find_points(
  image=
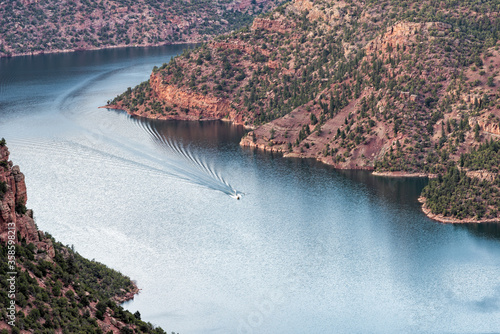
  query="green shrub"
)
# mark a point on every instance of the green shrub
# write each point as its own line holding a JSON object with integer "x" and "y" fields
{"x": 3, "y": 189}
{"x": 21, "y": 207}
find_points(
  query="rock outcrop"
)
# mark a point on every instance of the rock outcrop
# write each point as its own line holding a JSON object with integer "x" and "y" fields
{"x": 490, "y": 127}
{"x": 482, "y": 175}
{"x": 15, "y": 220}
{"x": 493, "y": 128}
{"x": 280, "y": 26}
{"x": 401, "y": 34}
{"x": 238, "y": 45}
{"x": 197, "y": 104}
{"x": 334, "y": 13}
{"x": 183, "y": 103}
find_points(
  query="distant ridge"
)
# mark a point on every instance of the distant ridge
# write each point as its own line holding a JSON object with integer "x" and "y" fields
{"x": 33, "y": 26}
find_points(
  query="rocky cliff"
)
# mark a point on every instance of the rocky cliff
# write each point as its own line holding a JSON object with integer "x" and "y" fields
{"x": 15, "y": 220}
{"x": 403, "y": 34}
{"x": 197, "y": 105}
{"x": 175, "y": 103}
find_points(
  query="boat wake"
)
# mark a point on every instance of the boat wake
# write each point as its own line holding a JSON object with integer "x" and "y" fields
{"x": 195, "y": 169}
{"x": 182, "y": 165}
{"x": 109, "y": 136}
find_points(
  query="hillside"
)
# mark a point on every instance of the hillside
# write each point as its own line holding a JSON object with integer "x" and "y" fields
{"x": 47, "y": 287}
{"x": 38, "y": 26}
{"x": 402, "y": 88}
{"x": 469, "y": 192}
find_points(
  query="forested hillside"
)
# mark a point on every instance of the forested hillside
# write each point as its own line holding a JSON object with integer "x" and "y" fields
{"x": 67, "y": 294}
{"x": 394, "y": 86}
{"x": 469, "y": 190}
{"x": 37, "y": 26}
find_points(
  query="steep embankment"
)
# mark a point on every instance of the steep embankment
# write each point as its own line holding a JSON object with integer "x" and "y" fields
{"x": 46, "y": 287}
{"x": 33, "y": 26}
{"x": 403, "y": 88}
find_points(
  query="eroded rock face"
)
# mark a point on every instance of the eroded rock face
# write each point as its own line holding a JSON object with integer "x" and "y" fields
{"x": 208, "y": 107}
{"x": 20, "y": 185}
{"x": 189, "y": 105}
{"x": 489, "y": 123}
{"x": 12, "y": 209}
{"x": 489, "y": 126}
{"x": 493, "y": 128}
{"x": 280, "y": 26}
{"x": 401, "y": 34}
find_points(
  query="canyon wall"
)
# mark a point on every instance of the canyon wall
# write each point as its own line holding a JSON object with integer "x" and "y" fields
{"x": 13, "y": 214}
{"x": 191, "y": 106}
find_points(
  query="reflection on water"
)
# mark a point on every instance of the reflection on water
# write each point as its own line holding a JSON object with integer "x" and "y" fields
{"x": 397, "y": 190}
{"x": 204, "y": 134}
{"x": 487, "y": 230}
{"x": 195, "y": 169}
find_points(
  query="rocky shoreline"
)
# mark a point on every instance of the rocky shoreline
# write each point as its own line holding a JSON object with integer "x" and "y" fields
{"x": 448, "y": 220}
{"x": 404, "y": 174}
{"x": 128, "y": 295}
{"x": 172, "y": 117}
{"x": 247, "y": 143}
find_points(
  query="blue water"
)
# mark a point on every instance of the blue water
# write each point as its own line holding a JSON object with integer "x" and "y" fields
{"x": 306, "y": 250}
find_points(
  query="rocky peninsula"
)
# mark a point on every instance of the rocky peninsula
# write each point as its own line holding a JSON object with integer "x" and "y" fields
{"x": 403, "y": 94}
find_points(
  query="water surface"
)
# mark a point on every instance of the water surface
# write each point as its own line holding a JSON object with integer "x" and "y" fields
{"x": 307, "y": 250}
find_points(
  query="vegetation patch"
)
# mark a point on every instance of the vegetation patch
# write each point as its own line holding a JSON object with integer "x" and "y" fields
{"x": 67, "y": 294}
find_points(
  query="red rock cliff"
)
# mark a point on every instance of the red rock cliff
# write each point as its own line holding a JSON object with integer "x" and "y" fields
{"x": 199, "y": 106}
{"x": 13, "y": 198}
{"x": 280, "y": 26}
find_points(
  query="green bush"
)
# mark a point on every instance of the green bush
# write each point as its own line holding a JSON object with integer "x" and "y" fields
{"x": 20, "y": 206}
{"x": 3, "y": 189}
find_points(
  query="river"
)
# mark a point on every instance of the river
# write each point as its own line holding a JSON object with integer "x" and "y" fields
{"x": 307, "y": 249}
